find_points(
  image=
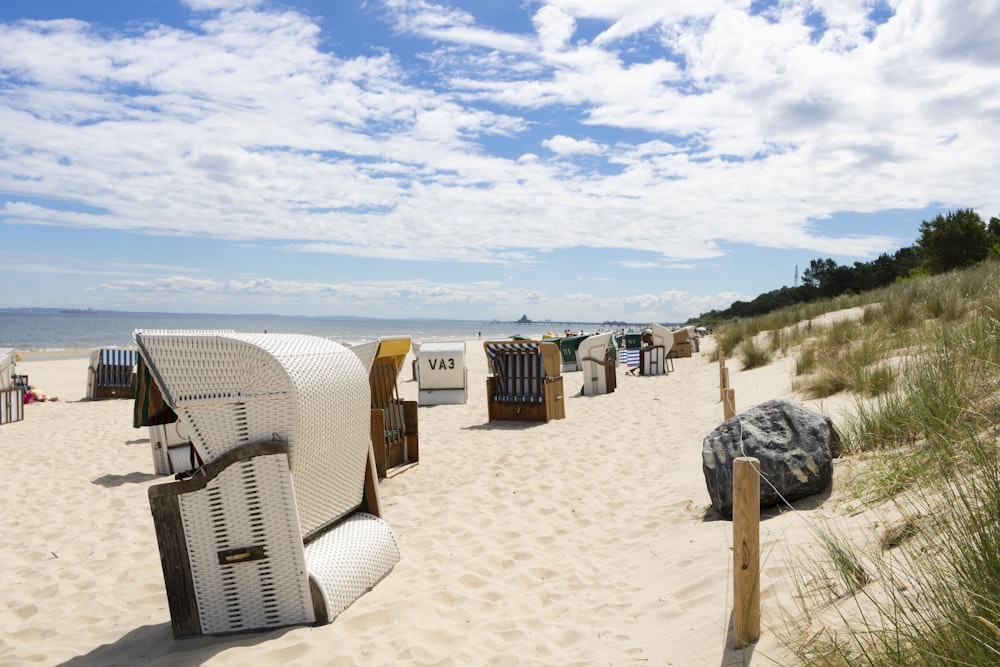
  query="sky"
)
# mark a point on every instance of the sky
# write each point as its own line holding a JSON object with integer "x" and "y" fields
{"x": 577, "y": 160}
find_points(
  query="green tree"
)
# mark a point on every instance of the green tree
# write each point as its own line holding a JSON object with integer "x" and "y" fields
{"x": 818, "y": 273}
{"x": 954, "y": 241}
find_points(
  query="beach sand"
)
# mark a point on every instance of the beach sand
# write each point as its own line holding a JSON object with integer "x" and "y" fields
{"x": 583, "y": 541}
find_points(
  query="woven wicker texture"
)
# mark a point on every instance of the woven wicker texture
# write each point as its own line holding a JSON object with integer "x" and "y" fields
{"x": 249, "y": 504}
{"x": 230, "y": 389}
{"x": 158, "y": 444}
{"x": 349, "y": 561}
{"x": 366, "y": 352}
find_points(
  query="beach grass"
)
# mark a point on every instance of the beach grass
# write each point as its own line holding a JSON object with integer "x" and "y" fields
{"x": 921, "y": 363}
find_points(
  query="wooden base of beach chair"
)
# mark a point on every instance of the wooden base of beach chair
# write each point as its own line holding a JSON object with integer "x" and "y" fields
{"x": 598, "y": 370}
{"x": 11, "y": 405}
{"x": 233, "y": 562}
{"x": 123, "y": 389}
{"x": 553, "y": 405}
{"x": 652, "y": 360}
{"x": 394, "y": 448}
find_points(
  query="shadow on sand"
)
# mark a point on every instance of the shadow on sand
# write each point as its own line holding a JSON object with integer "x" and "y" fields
{"x": 110, "y": 481}
{"x": 155, "y": 645}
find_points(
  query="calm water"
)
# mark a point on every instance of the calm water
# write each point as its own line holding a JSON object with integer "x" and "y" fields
{"x": 56, "y": 331}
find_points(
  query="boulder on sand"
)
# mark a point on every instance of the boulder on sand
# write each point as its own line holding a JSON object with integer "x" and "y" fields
{"x": 794, "y": 444}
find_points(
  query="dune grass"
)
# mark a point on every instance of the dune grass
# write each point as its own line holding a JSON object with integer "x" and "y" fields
{"x": 923, "y": 363}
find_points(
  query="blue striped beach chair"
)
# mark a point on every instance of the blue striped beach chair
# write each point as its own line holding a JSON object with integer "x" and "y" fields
{"x": 525, "y": 381}
{"x": 111, "y": 373}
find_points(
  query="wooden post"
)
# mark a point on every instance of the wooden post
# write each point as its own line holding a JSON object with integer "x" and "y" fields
{"x": 723, "y": 382}
{"x": 746, "y": 551}
{"x": 729, "y": 404}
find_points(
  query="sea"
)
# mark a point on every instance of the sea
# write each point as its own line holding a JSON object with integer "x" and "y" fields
{"x": 53, "y": 330}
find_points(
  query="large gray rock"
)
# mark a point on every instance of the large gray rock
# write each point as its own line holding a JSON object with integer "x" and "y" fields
{"x": 795, "y": 446}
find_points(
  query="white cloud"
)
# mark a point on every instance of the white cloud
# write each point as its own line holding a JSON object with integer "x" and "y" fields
{"x": 555, "y": 27}
{"x": 682, "y": 126}
{"x": 564, "y": 145}
{"x": 210, "y": 5}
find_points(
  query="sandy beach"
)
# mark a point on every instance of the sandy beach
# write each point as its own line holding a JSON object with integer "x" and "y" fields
{"x": 583, "y": 541}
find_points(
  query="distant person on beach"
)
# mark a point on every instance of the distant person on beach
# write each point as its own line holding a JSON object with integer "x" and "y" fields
{"x": 35, "y": 396}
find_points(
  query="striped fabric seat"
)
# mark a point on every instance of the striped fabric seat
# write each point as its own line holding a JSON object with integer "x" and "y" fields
{"x": 518, "y": 370}
{"x": 628, "y": 356}
{"x": 115, "y": 368}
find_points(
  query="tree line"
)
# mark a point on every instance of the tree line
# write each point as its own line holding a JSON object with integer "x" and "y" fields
{"x": 953, "y": 241}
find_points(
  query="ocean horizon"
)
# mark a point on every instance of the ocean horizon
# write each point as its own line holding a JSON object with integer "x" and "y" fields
{"x": 52, "y": 329}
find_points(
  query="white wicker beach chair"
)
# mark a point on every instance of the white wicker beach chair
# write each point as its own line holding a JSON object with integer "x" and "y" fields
{"x": 599, "y": 371}
{"x": 281, "y": 524}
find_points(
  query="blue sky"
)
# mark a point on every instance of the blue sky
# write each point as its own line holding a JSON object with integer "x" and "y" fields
{"x": 565, "y": 159}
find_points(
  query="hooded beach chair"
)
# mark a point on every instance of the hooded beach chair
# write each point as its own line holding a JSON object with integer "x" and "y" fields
{"x": 6, "y": 367}
{"x": 655, "y": 358}
{"x": 111, "y": 373}
{"x": 685, "y": 341}
{"x": 442, "y": 374}
{"x": 525, "y": 381}
{"x": 599, "y": 369}
{"x": 394, "y": 432}
{"x": 171, "y": 445}
{"x": 11, "y": 396}
{"x": 281, "y": 525}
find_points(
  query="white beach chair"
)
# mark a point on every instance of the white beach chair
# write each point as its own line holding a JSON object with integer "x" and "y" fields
{"x": 442, "y": 374}
{"x": 168, "y": 439}
{"x": 172, "y": 449}
{"x": 656, "y": 359}
{"x": 11, "y": 397}
{"x": 599, "y": 372}
{"x": 281, "y": 524}
{"x": 6, "y": 367}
